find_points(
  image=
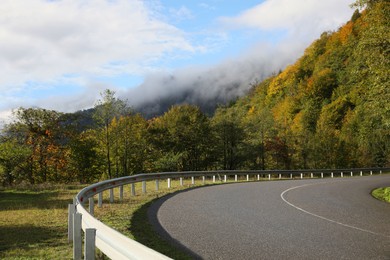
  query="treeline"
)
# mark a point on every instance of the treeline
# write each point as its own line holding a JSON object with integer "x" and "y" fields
{"x": 330, "y": 109}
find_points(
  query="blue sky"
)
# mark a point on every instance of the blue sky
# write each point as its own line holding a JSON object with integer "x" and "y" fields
{"x": 61, "y": 54}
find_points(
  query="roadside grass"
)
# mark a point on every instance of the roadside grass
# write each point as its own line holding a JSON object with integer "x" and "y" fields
{"x": 33, "y": 221}
{"x": 382, "y": 194}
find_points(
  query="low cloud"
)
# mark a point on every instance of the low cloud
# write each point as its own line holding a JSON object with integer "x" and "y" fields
{"x": 300, "y": 22}
{"x": 208, "y": 86}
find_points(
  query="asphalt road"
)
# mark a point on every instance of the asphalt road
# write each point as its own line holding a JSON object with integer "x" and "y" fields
{"x": 299, "y": 219}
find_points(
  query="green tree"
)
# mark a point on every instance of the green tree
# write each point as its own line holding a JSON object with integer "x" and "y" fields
{"x": 13, "y": 155}
{"x": 107, "y": 108}
{"x": 131, "y": 149}
{"x": 184, "y": 130}
{"x": 86, "y": 160}
{"x": 230, "y": 137}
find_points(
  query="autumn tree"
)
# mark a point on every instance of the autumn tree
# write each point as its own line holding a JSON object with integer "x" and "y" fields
{"x": 41, "y": 131}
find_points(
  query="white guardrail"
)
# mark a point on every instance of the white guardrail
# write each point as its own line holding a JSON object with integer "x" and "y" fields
{"x": 117, "y": 246}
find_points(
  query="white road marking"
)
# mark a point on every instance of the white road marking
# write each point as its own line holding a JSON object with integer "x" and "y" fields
{"x": 321, "y": 217}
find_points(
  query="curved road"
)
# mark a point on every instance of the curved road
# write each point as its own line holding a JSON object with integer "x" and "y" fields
{"x": 300, "y": 219}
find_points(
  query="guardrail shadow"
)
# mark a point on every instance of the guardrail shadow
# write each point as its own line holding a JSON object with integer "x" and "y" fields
{"x": 146, "y": 215}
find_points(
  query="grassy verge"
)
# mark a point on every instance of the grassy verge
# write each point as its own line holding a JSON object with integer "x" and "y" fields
{"x": 382, "y": 194}
{"x": 33, "y": 222}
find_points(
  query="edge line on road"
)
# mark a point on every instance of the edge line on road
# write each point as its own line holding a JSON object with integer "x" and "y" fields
{"x": 322, "y": 217}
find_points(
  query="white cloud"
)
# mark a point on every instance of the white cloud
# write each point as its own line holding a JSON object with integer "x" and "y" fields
{"x": 43, "y": 40}
{"x": 301, "y": 18}
{"x": 206, "y": 6}
{"x": 183, "y": 13}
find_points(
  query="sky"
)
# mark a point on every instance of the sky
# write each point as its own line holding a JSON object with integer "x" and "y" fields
{"x": 61, "y": 54}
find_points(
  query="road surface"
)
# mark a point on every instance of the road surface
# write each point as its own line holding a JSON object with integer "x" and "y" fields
{"x": 295, "y": 219}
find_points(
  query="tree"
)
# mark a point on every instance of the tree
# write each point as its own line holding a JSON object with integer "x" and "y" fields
{"x": 365, "y": 3}
{"x": 106, "y": 109}
{"x": 184, "y": 130}
{"x": 131, "y": 150}
{"x": 41, "y": 131}
{"x": 258, "y": 124}
{"x": 13, "y": 156}
{"x": 86, "y": 160}
{"x": 229, "y": 137}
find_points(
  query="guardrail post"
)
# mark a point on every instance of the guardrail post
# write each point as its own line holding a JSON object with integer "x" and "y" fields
{"x": 143, "y": 186}
{"x": 89, "y": 245}
{"x": 121, "y": 192}
{"x": 192, "y": 180}
{"x": 157, "y": 184}
{"x": 100, "y": 199}
{"x": 181, "y": 181}
{"x": 71, "y": 210}
{"x": 235, "y": 178}
{"x": 112, "y": 195}
{"x": 132, "y": 189}
{"x": 91, "y": 205}
{"x": 331, "y": 175}
{"x": 169, "y": 183}
{"x": 77, "y": 242}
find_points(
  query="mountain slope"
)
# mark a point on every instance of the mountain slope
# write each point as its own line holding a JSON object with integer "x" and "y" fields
{"x": 331, "y": 108}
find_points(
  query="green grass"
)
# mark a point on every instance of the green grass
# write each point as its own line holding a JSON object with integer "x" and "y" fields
{"x": 33, "y": 222}
{"x": 382, "y": 194}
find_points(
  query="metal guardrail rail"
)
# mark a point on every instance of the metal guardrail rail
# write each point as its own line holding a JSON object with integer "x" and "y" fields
{"x": 117, "y": 246}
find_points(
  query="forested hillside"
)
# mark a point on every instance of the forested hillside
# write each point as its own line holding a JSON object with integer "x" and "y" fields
{"x": 330, "y": 109}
